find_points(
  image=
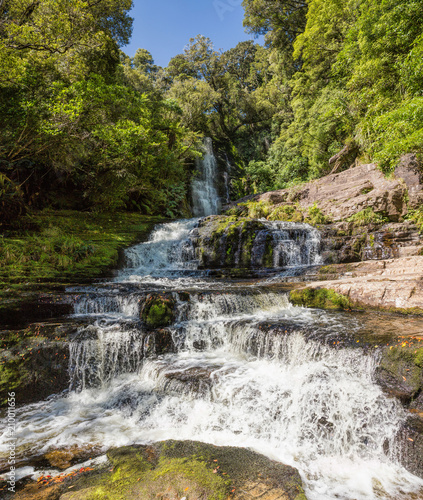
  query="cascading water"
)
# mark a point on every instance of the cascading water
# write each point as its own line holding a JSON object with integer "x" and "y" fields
{"x": 230, "y": 382}
{"x": 245, "y": 369}
{"x": 205, "y": 197}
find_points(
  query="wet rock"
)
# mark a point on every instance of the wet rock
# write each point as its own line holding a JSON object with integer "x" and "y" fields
{"x": 177, "y": 469}
{"x": 243, "y": 243}
{"x": 194, "y": 380}
{"x": 410, "y": 445}
{"x": 64, "y": 458}
{"x": 158, "y": 342}
{"x": 227, "y": 242}
{"x": 34, "y": 361}
{"x": 158, "y": 310}
{"x": 410, "y": 170}
{"x": 399, "y": 373}
{"x": 31, "y": 307}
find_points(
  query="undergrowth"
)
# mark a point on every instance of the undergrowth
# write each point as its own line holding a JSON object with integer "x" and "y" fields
{"x": 416, "y": 216}
{"x": 286, "y": 213}
{"x": 367, "y": 216}
{"x": 62, "y": 245}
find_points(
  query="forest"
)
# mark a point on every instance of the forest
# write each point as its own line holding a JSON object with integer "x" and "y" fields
{"x": 86, "y": 127}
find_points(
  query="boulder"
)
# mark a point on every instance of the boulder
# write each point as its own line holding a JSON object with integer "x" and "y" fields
{"x": 172, "y": 470}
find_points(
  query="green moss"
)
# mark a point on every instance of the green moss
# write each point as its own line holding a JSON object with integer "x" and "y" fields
{"x": 136, "y": 477}
{"x": 259, "y": 210}
{"x": 286, "y": 213}
{"x": 319, "y": 297}
{"x": 60, "y": 246}
{"x": 405, "y": 364}
{"x": 328, "y": 270}
{"x": 158, "y": 311}
{"x": 418, "y": 357}
{"x": 407, "y": 312}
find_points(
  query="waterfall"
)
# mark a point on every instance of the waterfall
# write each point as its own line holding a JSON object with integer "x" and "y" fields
{"x": 245, "y": 368}
{"x": 205, "y": 197}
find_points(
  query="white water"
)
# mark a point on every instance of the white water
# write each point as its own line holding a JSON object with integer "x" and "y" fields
{"x": 168, "y": 254}
{"x": 231, "y": 381}
{"x": 205, "y": 198}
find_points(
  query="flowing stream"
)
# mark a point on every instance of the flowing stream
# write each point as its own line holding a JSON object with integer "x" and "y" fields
{"x": 246, "y": 368}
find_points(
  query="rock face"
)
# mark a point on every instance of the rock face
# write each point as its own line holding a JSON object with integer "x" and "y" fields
{"x": 34, "y": 361}
{"x": 223, "y": 242}
{"x": 341, "y": 195}
{"x": 393, "y": 284}
{"x": 410, "y": 171}
{"x": 345, "y": 242}
{"x": 227, "y": 242}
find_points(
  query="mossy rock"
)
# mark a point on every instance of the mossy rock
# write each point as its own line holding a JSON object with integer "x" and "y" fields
{"x": 177, "y": 469}
{"x": 321, "y": 298}
{"x": 34, "y": 362}
{"x": 400, "y": 372}
{"x": 159, "y": 310}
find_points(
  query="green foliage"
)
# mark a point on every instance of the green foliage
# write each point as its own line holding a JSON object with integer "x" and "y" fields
{"x": 396, "y": 132}
{"x": 321, "y": 298}
{"x": 416, "y": 216}
{"x": 261, "y": 177}
{"x": 354, "y": 75}
{"x": 315, "y": 216}
{"x": 84, "y": 125}
{"x": 66, "y": 245}
{"x": 367, "y": 216}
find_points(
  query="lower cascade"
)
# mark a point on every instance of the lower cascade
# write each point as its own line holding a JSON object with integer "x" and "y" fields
{"x": 230, "y": 364}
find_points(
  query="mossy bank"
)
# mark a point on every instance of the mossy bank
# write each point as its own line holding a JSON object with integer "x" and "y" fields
{"x": 63, "y": 246}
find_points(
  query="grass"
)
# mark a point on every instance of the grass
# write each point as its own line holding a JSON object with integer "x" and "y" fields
{"x": 61, "y": 246}
{"x": 287, "y": 213}
{"x": 416, "y": 216}
{"x": 367, "y": 216}
{"x": 321, "y": 298}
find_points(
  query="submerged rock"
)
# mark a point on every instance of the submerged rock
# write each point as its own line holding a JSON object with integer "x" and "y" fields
{"x": 64, "y": 458}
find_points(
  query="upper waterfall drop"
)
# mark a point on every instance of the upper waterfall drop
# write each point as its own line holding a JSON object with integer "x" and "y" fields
{"x": 205, "y": 197}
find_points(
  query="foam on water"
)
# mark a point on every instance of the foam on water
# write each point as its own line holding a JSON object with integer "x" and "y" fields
{"x": 312, "y": 407}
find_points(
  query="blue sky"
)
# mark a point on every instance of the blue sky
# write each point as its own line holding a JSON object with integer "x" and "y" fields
{"x": 164, "y": 27}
